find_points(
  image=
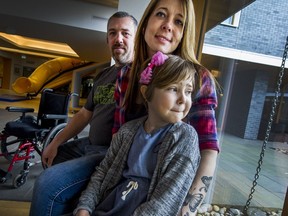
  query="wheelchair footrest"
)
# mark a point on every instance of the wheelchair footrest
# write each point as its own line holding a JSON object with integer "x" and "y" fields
{"x": 4, "y": 176}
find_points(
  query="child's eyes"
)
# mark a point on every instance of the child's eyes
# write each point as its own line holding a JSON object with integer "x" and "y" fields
{"x": 188, "y": 90}
{"x": 172, "y": 89}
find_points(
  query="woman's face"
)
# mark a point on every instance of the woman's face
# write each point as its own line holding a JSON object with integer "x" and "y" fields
{"x": 164, "y": 30}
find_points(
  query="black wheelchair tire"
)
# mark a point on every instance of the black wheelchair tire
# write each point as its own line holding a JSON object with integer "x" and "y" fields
{"x": 3, "y": 143}
{"x": 7, "y": 155}
{"x": 19, "y": 180}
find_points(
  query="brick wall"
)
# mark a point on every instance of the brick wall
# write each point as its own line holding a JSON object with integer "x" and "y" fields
{"x": 256, "y": 106}
{"x": 239, "y": 103}
{"x": 263, "y": 29}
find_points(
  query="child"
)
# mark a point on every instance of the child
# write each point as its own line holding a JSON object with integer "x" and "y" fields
{"x": 152, "y": 161}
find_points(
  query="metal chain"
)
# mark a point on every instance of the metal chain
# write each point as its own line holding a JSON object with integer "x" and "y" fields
{"x": 267, "y": 134}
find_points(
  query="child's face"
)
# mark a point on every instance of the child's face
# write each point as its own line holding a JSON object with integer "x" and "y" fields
{"x": 171, "y": 104}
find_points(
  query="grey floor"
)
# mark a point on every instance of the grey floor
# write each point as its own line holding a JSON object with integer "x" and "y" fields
{"x": 236, "y": 171}
{"x": 234, "y": 176}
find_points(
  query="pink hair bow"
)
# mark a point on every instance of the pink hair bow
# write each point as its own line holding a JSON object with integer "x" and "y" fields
{"x": 157, "y": 59}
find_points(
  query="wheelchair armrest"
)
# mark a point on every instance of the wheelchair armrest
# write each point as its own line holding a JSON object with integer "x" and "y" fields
{"x": 54, "y": 116}
{"x": 19, "y": 109}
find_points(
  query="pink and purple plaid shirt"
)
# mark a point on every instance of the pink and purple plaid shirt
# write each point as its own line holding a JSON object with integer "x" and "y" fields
{"x": 201, "y": 115}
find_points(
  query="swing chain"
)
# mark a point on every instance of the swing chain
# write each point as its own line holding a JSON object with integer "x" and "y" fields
{"x": 267, "y": 134}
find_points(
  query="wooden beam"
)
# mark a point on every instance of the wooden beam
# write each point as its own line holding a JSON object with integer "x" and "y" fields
{"x": 201, "y": 14}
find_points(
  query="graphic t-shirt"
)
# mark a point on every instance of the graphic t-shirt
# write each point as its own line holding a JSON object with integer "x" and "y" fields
{"x": 101, "y": 102}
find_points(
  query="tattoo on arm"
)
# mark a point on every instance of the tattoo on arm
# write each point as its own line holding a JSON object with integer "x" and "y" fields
{"x": 194, "y": 200}
{"x": 206, "y": 181}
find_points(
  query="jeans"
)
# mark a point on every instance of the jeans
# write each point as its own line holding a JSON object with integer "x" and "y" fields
{"x": 57, "y": 189}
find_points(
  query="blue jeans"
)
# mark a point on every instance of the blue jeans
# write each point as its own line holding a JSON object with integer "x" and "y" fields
{"x": 57, "y": 189}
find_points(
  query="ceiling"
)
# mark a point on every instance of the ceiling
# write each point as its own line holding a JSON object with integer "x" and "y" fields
{"x": 110, "y": 3}
{"x": 83, "y": 29}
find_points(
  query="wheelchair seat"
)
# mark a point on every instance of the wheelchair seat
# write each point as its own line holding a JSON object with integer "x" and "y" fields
{"x": 23, "y": 130}
{"x": 53, "y": 110}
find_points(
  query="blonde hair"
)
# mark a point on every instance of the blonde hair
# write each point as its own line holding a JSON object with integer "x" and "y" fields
{"x": 172, "y": 71}
{"x": 185, "y": 48}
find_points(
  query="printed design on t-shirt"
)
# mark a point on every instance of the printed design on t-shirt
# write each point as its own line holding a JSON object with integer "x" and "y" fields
{"x": 104, "y": 94}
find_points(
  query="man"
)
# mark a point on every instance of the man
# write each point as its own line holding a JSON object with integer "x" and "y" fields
{"x": 100, "y": 106}
{"x": 60, "y": 184}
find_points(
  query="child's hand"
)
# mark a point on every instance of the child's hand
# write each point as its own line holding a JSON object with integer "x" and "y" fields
{"x": 82, "y": 212}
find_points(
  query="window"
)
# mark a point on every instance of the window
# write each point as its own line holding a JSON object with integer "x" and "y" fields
{"x": 233, "y": 20}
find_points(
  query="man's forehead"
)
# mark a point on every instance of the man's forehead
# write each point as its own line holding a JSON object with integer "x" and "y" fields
{"x": 124, "y": 23}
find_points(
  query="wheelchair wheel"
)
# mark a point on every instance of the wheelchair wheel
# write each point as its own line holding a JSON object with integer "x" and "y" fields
{"x": 19, "y": 180}
{"x": 9, "y": 144}
{"x": 53, "y": 133}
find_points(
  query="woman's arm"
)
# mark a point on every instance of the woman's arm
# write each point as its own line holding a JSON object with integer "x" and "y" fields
{"x": 202, "y": 117}
{"x": 201, "y": 183}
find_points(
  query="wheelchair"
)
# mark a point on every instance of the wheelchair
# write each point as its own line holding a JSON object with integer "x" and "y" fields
{"x": 21, "y": 138}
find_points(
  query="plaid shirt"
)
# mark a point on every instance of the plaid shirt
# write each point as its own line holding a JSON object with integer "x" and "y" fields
{"x": 201, "y": 115}
{"x": 119, "y": 94}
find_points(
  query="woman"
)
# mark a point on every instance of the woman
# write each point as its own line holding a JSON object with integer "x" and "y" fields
{"x": 169, "y": 26}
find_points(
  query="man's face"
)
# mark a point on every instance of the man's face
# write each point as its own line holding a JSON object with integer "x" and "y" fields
{"x": 120, "y": 38}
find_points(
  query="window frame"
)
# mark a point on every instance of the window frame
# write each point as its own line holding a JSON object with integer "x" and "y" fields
{"x": 233, "y": 20}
